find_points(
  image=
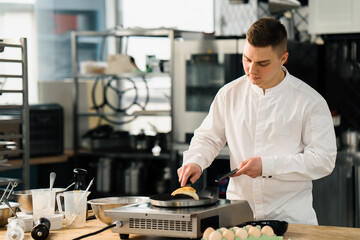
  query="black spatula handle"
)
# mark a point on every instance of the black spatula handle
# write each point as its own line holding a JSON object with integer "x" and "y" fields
{"x": 227, "y": 174}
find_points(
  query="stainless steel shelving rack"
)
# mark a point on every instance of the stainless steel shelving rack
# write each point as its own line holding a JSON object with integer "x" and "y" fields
{"x": 120, "y": 35}
{"x": 23, "y": 109}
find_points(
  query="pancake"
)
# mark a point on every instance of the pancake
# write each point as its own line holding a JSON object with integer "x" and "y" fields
{"x": 189, "y": 191}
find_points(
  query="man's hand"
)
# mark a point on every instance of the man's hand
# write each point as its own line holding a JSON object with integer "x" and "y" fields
{"x": 251, "y": 167}
{"x": 190, "y": 170}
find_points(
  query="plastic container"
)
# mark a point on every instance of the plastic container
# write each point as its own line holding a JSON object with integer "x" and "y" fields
{"x": 56, "y": 221}
{"x": 27, "y": 219}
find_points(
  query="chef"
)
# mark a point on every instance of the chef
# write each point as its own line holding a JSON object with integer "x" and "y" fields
{"x": 278, "y": 129}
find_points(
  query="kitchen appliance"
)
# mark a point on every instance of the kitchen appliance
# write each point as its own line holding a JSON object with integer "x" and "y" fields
{"x": 46, "y": 129}
{"x": 190, "y": 222}
{"x": 202, "y": 67}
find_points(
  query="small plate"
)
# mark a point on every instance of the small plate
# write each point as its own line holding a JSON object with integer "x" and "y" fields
{"x": 279, "y": 227}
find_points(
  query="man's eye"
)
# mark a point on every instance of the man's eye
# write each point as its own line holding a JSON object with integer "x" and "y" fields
{"x": 263, "y": 64}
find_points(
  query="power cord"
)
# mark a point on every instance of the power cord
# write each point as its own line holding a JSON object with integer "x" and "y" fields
{"x": 115, "y": 224}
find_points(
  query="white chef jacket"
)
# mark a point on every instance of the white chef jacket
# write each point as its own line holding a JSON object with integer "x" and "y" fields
{"x": 290, "y": 127}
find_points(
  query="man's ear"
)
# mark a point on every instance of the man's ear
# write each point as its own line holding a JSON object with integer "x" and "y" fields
{"x": 284, "y": 58}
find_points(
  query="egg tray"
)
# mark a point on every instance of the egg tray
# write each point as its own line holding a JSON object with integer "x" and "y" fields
{"x": 262, "y": 237}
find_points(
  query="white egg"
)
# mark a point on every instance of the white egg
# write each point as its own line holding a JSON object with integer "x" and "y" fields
{"x": 222, "y": 229}
{"x": 241, "y": 233}
{"x": 228, "y": 234}
{"x": 234, "y": 229}
{"x": 207, "y": 232}
{"x": 268, "y": 231}
{"x": 255, "y": 232}
{"x": 215, "y": 235}
{"x": 248, "y": 227}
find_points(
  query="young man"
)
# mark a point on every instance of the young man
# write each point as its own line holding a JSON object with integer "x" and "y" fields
{"x": 278, "y": 129}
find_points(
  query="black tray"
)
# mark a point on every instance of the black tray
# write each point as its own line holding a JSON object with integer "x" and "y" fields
{"x": 279, "y": 227}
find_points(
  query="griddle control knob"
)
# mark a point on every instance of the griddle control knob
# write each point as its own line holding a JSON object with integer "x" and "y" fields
{"x": 118, "y": 224}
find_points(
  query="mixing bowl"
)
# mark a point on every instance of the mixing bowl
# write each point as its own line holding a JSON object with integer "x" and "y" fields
{"x": 5, "y": 212}
{"x": 99, "y": 205}
{"x": 25, "y": 199}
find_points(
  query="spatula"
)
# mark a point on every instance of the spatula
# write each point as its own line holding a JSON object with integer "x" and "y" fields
{"x": 227, "y": 175}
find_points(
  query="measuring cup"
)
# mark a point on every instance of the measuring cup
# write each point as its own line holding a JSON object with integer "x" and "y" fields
{"x": 43, "y": 201}
{"x": 75, "y": 207}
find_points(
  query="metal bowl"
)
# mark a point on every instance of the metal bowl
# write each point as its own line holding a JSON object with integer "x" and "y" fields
{"x": 99, "y": 205}
{"x": 5, "y": 212}
{"x": 25, "y": 199}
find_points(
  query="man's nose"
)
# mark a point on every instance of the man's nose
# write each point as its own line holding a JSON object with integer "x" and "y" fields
{"x": 252, "y": 68}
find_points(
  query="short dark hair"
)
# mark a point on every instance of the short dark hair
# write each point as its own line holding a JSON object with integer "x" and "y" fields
{"x": 268, "y": 31}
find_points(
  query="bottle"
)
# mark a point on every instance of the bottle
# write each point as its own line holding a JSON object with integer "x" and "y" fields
{"x": 80, "y": 178}
{"x": 15, "y": 230}
{"x": 41, "y": 229}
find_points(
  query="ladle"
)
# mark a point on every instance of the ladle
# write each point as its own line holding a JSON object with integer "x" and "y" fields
{"x": 52, "y": 179}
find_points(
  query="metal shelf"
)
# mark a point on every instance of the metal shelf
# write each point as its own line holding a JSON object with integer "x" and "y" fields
{"x": 23, "y": 118}
{"x": 10, "y": 76}
{"x": 135, "y": 113}
{"x": 125, "y": 75}
{"x": 6, "y": 152}
{"x": 12, "y": 136}
{"x": 11, "y": 91}
{"x": 11, "y": 106}
{"x": 140, "y": 32}
{"x": 125, "y": 155}
{"x": 11, "y": 60}
{"x": 9, "y": 119}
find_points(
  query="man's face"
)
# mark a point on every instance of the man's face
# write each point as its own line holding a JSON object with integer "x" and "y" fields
{"x": 262, "y": 65}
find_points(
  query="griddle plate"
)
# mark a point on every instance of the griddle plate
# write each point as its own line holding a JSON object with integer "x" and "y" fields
{"x": 166, "y": 200}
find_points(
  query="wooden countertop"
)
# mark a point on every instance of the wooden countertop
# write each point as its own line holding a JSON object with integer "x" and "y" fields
{"x": 294, "y": 232}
